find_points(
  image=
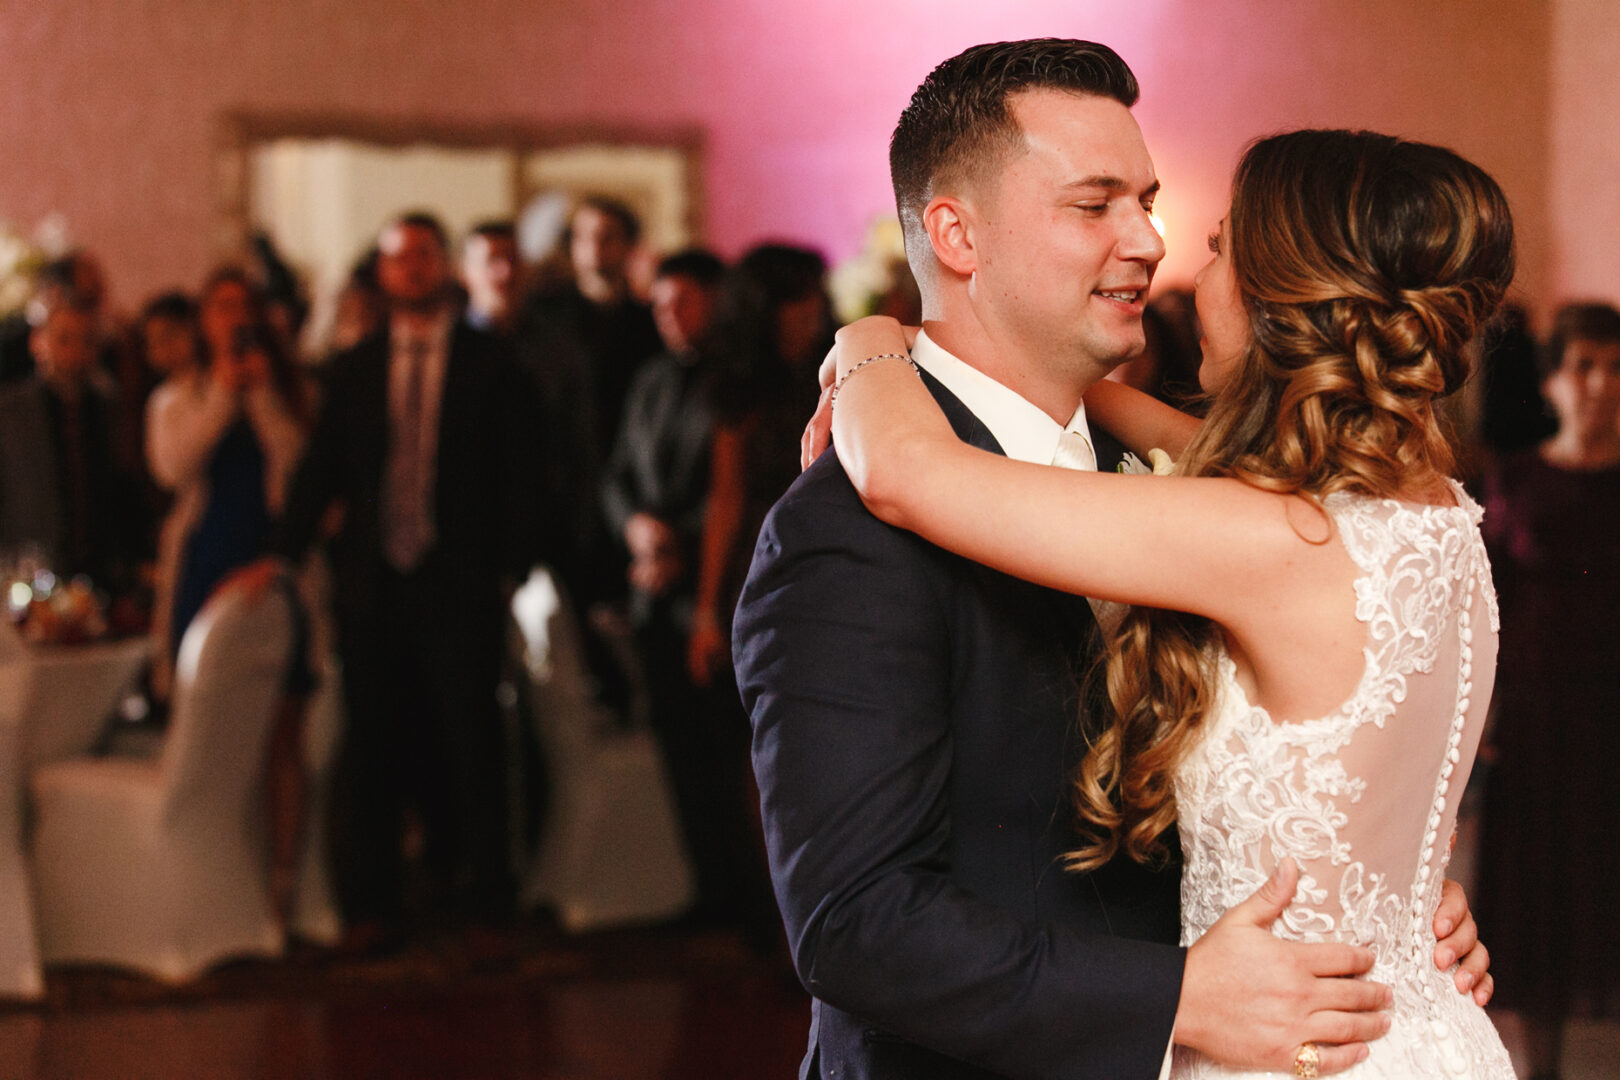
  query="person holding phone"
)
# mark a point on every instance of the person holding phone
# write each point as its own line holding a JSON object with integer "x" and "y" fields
{"x": 224, "y": 436}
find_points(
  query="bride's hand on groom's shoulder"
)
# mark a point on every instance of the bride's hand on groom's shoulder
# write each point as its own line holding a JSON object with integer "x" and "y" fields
{"x": 1250, "y": 999}
{"x": 818, "y": 432}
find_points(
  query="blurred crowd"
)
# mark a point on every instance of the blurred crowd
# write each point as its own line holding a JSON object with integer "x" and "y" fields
{"x": 471, "y": 417}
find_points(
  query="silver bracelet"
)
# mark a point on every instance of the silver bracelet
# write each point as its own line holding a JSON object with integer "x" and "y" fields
{"x": 832, "y": 399}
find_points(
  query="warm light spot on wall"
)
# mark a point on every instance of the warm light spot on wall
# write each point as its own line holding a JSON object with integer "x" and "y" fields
{"x": 1158, "y": 223}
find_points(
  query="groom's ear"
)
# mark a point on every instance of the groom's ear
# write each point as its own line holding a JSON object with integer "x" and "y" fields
{"x": 949, "y": 222}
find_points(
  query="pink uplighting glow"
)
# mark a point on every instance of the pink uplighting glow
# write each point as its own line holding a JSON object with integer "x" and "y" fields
{"x": 110, "y": 113}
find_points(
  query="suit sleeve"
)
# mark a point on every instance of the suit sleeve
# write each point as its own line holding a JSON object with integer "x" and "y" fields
{"x": 844, "y": 658}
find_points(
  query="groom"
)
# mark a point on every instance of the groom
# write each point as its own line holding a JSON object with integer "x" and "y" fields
{"x": 915, "y": 714}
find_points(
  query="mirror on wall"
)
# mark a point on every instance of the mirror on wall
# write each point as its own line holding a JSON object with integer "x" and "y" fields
{"x": 320, "y": 188}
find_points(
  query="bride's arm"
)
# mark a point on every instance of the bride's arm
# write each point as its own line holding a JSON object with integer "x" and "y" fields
{"x": 1210, "y": 546}
{"x": 1138, "y": 420}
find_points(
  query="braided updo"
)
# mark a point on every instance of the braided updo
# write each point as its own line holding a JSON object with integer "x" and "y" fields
{"x": 1366, "y": 263}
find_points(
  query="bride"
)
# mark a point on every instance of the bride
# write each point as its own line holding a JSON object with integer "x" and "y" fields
{"x": 1306, "y": 670}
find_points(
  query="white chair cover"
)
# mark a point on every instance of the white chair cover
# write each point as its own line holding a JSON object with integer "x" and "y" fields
{"x": 612, "y": 851}
{"x": 162, "y": 865}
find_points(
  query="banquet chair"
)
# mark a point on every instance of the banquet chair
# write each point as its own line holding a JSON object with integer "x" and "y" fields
{"x": 612, "y": 852}
{"x": 161, "y": 865}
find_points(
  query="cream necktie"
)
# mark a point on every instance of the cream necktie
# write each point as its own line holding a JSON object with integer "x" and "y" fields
{"x": 1074, "y": 452}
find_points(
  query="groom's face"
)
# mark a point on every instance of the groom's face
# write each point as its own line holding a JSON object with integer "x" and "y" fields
{"x": 1070, "y": 244}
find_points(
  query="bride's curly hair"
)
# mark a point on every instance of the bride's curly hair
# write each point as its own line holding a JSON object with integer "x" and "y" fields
{"x": 1366, "y": 264}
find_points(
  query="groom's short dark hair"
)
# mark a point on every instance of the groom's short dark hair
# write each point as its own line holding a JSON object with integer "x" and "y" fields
{"x": 958, "y": 119}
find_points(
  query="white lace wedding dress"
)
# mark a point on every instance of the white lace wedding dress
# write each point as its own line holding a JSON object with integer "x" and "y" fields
{"x": 1363, "y": 799}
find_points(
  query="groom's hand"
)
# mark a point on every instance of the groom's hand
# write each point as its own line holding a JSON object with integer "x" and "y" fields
{"x": 1250, "y": 999}
{"x": 1458, "y": 936}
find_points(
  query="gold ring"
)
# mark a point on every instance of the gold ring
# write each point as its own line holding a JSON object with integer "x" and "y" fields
{"x": 1308, "y": 1062}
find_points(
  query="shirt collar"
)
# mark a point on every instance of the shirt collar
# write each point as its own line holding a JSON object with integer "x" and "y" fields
{"x": 1023, "y": 430}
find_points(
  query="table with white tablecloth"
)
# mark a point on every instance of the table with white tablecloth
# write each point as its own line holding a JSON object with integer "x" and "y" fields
{"x": 54, "y": 704}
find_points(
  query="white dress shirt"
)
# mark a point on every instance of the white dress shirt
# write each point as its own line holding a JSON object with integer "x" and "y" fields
{"x": 1024, "y": 431}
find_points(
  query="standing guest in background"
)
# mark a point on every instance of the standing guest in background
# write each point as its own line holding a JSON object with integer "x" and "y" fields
{"x": 1515, "y": 416}
{"x": 75, "y": 278}
{"x": 1549, "y": 860}
{"x": 282, "y": 299}
{"x": 167, "y": 341}
{"x": 223, "y": 435}
{"x": 653, "y": 494}
{"x": 427, "y": 440}
{"x": 169, "y": 335}
{"x": 62, "y": 485}
{"x": 775, "y": 326}
{"x": 598, "y": 311}
{"x": 493, "y": 275}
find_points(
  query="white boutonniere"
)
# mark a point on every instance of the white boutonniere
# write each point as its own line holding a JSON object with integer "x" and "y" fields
{"x": 1160, "y": 464}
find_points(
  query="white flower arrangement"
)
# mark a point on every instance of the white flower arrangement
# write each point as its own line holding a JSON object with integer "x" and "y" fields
{"x": 1159, "y": 464}
{"x": 857, "y": 283}
{"x": 20, "y": 260}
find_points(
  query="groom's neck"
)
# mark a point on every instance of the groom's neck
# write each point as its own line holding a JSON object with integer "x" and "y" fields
{"x": 1043, "y": 381}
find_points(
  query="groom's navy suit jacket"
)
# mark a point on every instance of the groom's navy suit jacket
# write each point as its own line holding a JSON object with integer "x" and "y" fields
{"x": 915, "y": 731}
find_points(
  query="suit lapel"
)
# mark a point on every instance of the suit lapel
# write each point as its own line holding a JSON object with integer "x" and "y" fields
{"x": 969, "y": 428}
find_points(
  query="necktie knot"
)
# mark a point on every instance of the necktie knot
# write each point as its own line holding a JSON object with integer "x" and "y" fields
{"x": 1074, "y": 452}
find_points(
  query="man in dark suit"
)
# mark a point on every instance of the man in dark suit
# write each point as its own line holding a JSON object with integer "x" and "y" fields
{"x": 915, "y": 714}
{"x": 654, "y": 493}
{"x": 427, "y": 441}
{"x": 62, "y": 487}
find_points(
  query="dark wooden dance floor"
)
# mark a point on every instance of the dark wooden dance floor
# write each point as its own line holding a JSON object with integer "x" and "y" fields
{"x": 633, "y": 1005}
{"x": 662, "y": 1004}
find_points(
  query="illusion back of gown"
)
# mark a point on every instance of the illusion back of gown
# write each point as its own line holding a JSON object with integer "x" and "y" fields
{"x": 1364, "y": 799}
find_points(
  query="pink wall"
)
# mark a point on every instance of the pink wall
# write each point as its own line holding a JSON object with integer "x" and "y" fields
{"x": 1584, "y": 190}
{"x": 108, "y": 110}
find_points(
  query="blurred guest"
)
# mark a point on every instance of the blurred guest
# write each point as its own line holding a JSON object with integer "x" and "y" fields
{"x": 1550, "y": 863}
{"x": 167, "y": 341}
{"x": 599, "y": 309}
{"x": 361, "y": 307}
{"x": 587, "y": 337}
{"x": 1515, "y": 416}
{"x": 286, "y": 309}
{"x": 223, "y": 433}
{"x": 169, "y": 335}
{"x": 656, "y": 477}
{"x": 653, "y": 494}
{"x": 62, "y": 486}
{"x": 75, "y": 278}
{"x": 774, "y": 328}
{"x": 427, "y": 439}
{"x": 493, "y": 275}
